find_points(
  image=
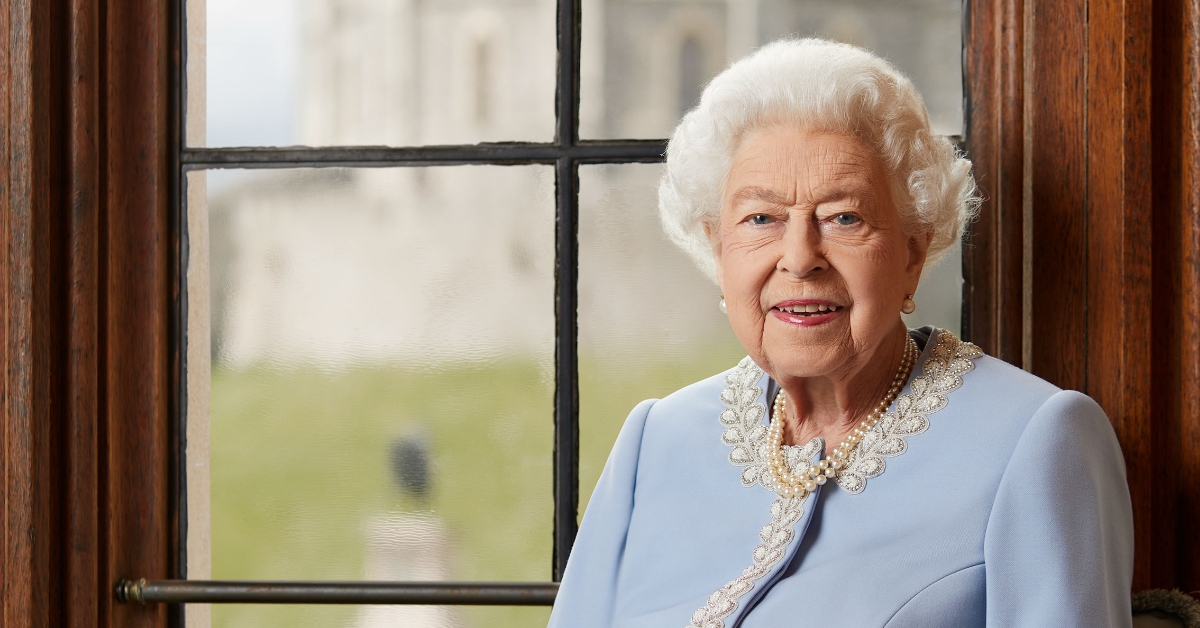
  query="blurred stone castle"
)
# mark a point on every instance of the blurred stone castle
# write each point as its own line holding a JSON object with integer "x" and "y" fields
{"x": 421, "y": 265}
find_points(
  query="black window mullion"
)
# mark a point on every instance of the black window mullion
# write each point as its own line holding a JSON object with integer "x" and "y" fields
{"x": 566, "y": 392}
{"x": 566, "y": 288}
{"x": 499, "y": 153}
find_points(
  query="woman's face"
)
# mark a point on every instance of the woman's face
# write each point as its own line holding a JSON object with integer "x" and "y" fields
{"x": 811, "y": 254}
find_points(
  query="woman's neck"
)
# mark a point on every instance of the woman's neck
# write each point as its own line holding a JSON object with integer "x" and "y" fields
{"x": 832, "y": 406}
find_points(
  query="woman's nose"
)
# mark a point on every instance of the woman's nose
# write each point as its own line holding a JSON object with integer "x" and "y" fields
{"x": 802, "y": 254}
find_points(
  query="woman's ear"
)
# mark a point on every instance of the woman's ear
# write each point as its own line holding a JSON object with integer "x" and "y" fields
{"x": 918, "y": 251}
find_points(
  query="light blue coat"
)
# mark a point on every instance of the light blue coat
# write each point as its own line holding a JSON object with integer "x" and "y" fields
{"x": 987, "y": 497}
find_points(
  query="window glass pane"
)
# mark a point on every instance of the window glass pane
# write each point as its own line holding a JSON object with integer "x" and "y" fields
{"x": 939, "y": 295}
{"x": 376, "y": 72}
{"x": 644, "y": 62}
{"x": 648, "y": 319}
{"x": 381, "y": 406}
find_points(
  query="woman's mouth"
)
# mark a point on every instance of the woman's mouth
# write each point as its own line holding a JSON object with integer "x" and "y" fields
{"x": 807, "y": 313}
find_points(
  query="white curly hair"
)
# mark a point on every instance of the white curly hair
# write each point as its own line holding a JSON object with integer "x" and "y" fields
{"x": 823, "y": 85}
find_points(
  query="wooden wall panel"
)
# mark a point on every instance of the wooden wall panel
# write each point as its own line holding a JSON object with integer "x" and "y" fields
{"x": 1188, "y": 158}
{"x": 1056, "y": 188}
{"x": 85, "y": 308}
{"x": 10, "y": 552}
{"x": 139, "y": 298}
{"x": 1111, "y": 255}
{"x": 84, "y": 426}
{"x": 34, "y": 282}
{"x": 1118, "y": 232}
{"x": 1175, "y": 284}
{"x": 994, "y": 101}
{"x": 21, "y": 604}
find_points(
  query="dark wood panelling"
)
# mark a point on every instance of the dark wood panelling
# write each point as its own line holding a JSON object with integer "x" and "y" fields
{"x": 1056, "y": 181}
{"x": 992, "y": 256}
{"x": 1118, "y": 232}
{"x": 10, "y": 552}
{"x": 35, "y": 374}
{"x": 84, "y": 425}
{"x": 1111, "y": 131}
{"x": 138, "y": 297}
{"x": 86, "y": 246}
{"x": 1188, "y": 158}
{"x": 22, "y": 606}
{"x": 1175, "y": 283}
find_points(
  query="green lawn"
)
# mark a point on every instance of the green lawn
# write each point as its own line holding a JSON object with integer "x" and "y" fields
{"x": 299, "y": 464}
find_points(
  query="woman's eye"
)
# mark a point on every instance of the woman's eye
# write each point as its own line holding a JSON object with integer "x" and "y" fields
{"x": 760, "y": 219}
{"x": 846, "y": 219}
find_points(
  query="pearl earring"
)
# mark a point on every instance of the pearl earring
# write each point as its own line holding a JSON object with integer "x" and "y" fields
{"x": 721, "y": 305}
{"x": 909, "y": 305}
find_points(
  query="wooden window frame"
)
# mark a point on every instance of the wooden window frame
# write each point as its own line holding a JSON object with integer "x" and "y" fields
{"x": 89, "y": 286}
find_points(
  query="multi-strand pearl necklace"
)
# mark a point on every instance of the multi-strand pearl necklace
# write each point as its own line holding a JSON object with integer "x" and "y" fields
{"x": 788, "y": 484}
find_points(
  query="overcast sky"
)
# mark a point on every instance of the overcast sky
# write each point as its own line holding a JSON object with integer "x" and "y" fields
{"x": 252, "y": 57}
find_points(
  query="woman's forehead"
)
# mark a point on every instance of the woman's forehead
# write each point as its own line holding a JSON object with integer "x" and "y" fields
{"x": 780, "y": 164}
{"x": 802, "y": 146}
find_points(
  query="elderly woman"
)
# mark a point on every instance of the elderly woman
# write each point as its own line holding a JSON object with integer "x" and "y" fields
{"x": 958, "y": 491}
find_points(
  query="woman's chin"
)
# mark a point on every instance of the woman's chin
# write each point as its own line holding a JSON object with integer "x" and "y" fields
{"x": 805, "y": 351}
{"x": 805, "y": 364}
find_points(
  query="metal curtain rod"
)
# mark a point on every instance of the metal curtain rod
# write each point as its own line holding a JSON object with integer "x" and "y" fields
{"x": 145, "y": 591}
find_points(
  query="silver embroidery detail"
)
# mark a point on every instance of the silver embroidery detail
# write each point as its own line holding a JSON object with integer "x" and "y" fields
{"x": 775, "y": 536}
{"x": 948, "y": 361}
{"x": 745, "y": 431}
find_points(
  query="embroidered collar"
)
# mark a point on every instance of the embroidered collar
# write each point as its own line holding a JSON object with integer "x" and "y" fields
{"x": 745, "y": 431}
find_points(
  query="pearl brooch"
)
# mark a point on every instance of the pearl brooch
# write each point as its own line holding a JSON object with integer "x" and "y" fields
{"x": 788, "y": 484}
